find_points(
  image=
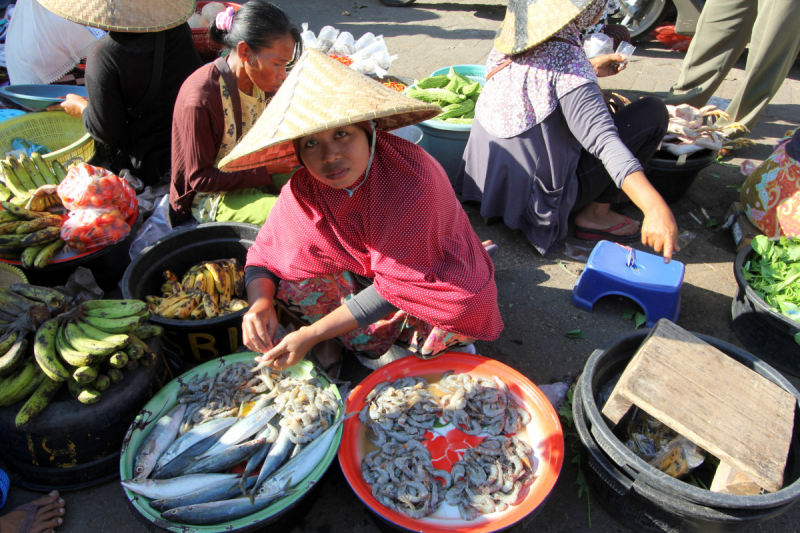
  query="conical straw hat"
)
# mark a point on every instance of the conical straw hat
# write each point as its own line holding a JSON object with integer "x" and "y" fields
{"x": 531, "y": 22}
{"x": 319, "y": 94}
{"x": 131, "y": 16}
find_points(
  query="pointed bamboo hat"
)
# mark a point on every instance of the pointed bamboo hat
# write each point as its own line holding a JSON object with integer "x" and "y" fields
{"x": 531, "y": 22}
{"x": 130, "y": 16}
{"x": 319, "y": 94}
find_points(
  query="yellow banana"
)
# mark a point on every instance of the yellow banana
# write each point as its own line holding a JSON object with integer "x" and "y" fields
{"x": 199, "y": 312}
{"x": 218, "y": 274}
{"x": 188, "y": 281}
{"x": 185, "y": 309}
{"x": 209, "y": 306}
{"x": 200, "y": 282}
{"x": 167, "y": 303}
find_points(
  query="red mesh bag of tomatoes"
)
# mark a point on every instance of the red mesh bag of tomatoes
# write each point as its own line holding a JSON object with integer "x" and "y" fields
{"x": 89, "y": 229}
{"x": 88, "y": 186}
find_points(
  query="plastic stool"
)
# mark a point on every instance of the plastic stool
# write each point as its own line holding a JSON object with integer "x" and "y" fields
{"x": 649, "y": 282}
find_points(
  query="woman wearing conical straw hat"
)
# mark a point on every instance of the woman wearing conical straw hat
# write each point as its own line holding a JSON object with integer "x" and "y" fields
{"x": 368, "y": 240}
{"x": 218, "y": 105}
{"x": 133, "y": 75}
{"x": 544, "y": 146}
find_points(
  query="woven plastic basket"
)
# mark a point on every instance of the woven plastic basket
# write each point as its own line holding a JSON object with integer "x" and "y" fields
{"x": 208, "y": 49}
{"x": 10, "y": 275}
{"x": 61, "y": 133}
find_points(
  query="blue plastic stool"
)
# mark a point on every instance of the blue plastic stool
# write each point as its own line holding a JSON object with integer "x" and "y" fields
{"x": 642, "y": 277}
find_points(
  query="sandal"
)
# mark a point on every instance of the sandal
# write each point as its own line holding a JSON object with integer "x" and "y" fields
{"x": 30, "y": 515}
{"x": 589, "y": 234}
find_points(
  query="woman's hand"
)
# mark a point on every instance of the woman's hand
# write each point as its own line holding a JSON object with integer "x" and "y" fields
{"x": 608, "y": 64}
{"x": 259, "y": 324}
{"x": 291, "y": 350}
{"x": 73, "y": 105}
{"x": 660, "y": 231}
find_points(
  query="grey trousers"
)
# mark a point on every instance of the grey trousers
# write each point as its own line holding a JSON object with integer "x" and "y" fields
{"x": 772, "y": 27}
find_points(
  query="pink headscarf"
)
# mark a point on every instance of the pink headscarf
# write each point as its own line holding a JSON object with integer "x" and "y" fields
{"x": 403, "y": 227}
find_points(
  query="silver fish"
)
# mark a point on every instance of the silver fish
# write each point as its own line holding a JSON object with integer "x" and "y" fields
{"x": 258, "y": 457}
{"x": 157, "y": 441}
{"x": 279, "y": 452}
{"x": 302, "y": 464}
{"x": 170, "y": 488}
{"x": 220, "y": 511}
{"x": 221, "y": 490}
{"x": 226, "y": 459}
{"x": 241, "y": 430}
{"x": 176, "y": 467}
{"x": 192, "y": 437}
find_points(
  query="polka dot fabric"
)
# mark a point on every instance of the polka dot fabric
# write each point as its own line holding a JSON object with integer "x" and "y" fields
{"x": 403, "y": 228}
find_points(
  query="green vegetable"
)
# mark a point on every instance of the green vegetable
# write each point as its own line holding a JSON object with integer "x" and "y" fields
{"x": 434, "y": 82}
{"x": 435, "y": 96}
{"x": 472, "y": 90}
{"x": 457, "y": 110}
{"x": 775, "y": 274}
{"x": 459, "y": 120}
{"x": 457, "y": 81}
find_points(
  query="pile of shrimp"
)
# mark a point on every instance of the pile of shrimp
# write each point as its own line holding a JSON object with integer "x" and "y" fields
{"x": 306, "y": 408}
{"x": 401, "y": 411}
{"x": 480, "y": 405}
{"x": 403, "y": 478}
{"x": 491, "y": 476}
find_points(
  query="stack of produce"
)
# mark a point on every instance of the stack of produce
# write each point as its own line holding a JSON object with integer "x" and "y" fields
{"x": 490, "y": 476}
{"x": 207, "y": 290}
{"x": 691, "y": 130}
{"x": 368, "y": 55}
{"x": 31, "y": 237}
{"x": 456, "y": 93}
{"x": 185, "y": 463}
{"x": 25, "y": 176}
{"x": 86, "y": 346}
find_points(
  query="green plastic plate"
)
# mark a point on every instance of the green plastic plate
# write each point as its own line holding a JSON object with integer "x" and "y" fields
{"x": 163, "y": 402}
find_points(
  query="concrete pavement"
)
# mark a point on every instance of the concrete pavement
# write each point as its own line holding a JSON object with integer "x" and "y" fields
{"x": 534, "y": 291}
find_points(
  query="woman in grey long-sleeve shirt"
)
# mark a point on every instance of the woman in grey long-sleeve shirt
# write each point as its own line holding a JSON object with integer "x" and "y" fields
{"x": 544, "y": 146}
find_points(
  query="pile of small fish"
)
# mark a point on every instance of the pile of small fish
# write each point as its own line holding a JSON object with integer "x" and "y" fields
{"x": 480, "y": 405}
{"x": 491, "y": 476}
{"x": 403, "y": 478}
{"x": 183, "y": 464}
{"x": 403, "y": 410}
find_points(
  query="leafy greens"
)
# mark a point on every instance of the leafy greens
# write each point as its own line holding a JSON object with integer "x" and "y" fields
{"x": 774, "y": 273}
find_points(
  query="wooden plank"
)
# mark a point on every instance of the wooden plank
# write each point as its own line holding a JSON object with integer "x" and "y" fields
{"x": 719, "y": 404}
{"x": 728, "y": 480}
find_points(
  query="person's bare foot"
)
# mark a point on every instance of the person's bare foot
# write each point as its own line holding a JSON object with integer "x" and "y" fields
{"x": 600, "y": 217}
{"x": 48, "y": 516}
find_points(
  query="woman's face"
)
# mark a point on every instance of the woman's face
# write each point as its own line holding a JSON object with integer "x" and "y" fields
{"x": 336, "y": 157}
{"x": 267, "y": 68}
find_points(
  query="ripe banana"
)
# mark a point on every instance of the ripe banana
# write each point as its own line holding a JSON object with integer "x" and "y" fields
{"x": 210, "y": 307}
{"x": 54, "y": 300}
{"x": 38, "y": 401}
{"x": 15, "y": 353}
{"x": 238, "y": 277}
{"x": 226, "y": 296}
{"x": 198, "y": 313}
{"x": 184, "y": 309}
{"x": 200, "y": 281}
{"x": 11, "y": 387}
{"x": 218, "y": 274}
{"x": 237, "y": 305}
{"x": 168, "y": 307}
{"x": 44, "y": 349}
{"x": 127, "y": 324}
{"x": 188, "y": 280}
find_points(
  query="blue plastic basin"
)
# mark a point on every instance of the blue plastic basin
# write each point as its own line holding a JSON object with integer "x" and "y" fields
{"x": 40, "y": 96}
{"x": 444, "y": 141}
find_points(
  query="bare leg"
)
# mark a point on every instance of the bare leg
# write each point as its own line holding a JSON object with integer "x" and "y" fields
{"x": 600, "y": 217}
{"x": 48, "y": 516}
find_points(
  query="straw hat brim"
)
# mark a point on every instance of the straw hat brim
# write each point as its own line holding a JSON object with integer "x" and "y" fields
{"x": 129, "y": 16}
{"x": 531, "y": 22}
{"x": 320, "y": 94}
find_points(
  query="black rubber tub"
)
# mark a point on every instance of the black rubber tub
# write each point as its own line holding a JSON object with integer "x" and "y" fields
{"x": 193, "y": 341}
{"x": 671, "y": 180}
{"x": 71, "y": 445}
{"x": 644, "y": 498}
{"x": 767, "y": 333}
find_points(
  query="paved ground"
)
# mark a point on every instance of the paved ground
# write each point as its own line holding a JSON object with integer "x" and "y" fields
{"x": 534, "y": 291}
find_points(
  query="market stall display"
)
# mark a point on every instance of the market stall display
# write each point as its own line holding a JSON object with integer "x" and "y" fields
{"x": 368, "y": 54}
{"x": 454, "y": 92}
{"x": 206, "y": 290}
{"x": 85, "y": 346}
{"x": 179, "y": 470}
{"x": 30, "y": 237}
{"x": 692, "y": 130}
{"x": 447, "y": 427}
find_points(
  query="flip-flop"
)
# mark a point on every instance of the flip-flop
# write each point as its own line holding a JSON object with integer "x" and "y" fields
{"x": 30, "y": 515}
{"x": 312, "y": 356}
{"x": 589, "y": 234}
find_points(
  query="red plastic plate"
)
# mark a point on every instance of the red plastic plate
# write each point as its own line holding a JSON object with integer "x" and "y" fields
{"x": 544, "y": 434}
{"x": 61, "y": 257}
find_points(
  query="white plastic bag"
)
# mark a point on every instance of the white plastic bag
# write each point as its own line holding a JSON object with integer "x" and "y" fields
{"x": 598, "y": 44}
{"x": 155, "y": 227}
{"x": 345, "y": 44}
{"x": 326, "y": 38}
{"x": 309, "y": 39}
{"x": 364, "y": 41}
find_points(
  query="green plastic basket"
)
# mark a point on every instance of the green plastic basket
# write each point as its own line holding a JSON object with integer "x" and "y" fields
{"x": 61, "y": 133}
